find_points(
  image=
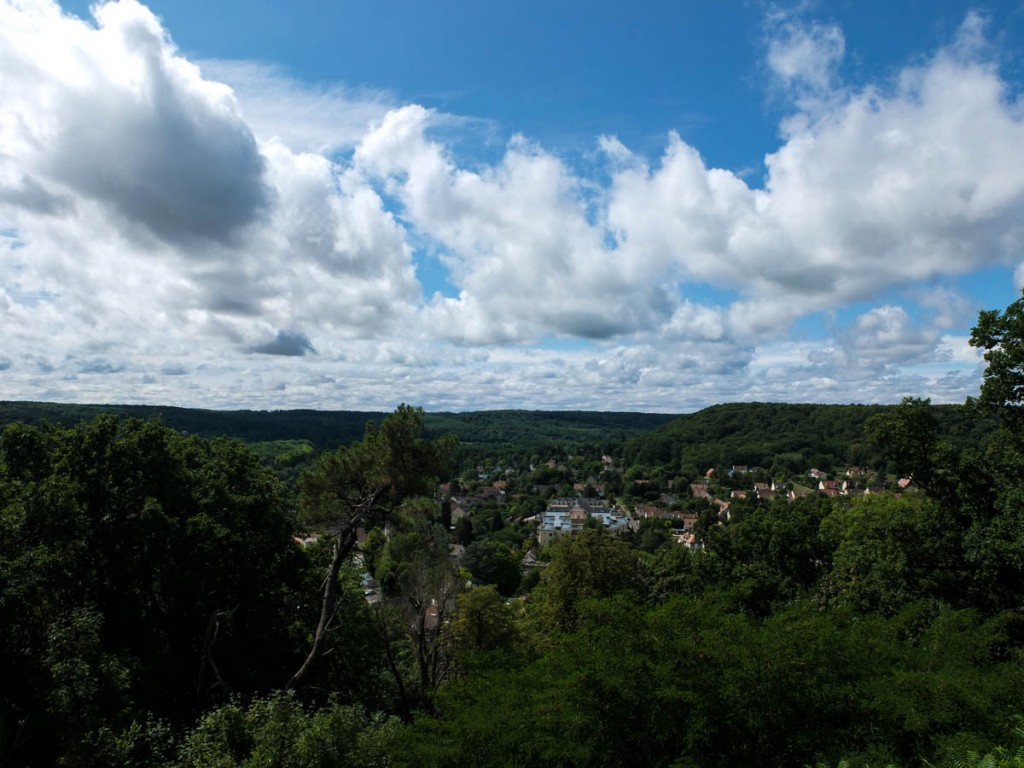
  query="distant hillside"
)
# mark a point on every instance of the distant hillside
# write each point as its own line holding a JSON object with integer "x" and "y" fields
{"x": 322, "y": 428}
{"x": 534, "y": 428}
{"x": 755, "y": 434}
{"x": 786, "y": 435}
{"x": 327, "y": 429}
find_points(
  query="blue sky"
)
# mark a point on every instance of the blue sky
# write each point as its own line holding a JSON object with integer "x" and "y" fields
{"x": 563, "y": 72}
{"x": 477, "y": 205}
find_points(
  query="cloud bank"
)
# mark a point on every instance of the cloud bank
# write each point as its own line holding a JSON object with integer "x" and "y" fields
{"x": 167, "y": 238}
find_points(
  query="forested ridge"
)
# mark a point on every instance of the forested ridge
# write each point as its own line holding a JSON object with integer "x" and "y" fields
{"x": 787, "y": 435}
{"x": 179, "y": 600}
{"x": 330, "y": 429}
{"x": 323, "y": 429}
{"x": 733, "y": 433}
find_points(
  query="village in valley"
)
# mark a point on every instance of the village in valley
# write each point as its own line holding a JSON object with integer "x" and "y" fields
{"x": 623, "y": 506}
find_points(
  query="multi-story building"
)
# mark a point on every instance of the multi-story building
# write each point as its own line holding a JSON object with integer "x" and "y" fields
{"x": 564, "y": 517}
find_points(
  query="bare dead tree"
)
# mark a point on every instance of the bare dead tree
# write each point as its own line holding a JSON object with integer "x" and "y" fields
{"x": 431, "y": 592}
{"x": 208, "y": 665}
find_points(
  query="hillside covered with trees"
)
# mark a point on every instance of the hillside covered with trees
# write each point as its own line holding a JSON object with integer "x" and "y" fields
{"x": 329, "y": 429}
{"x": 784, "y": 437}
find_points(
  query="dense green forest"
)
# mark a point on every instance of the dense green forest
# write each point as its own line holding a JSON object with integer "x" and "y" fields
{"x": 163, "y": 602}
{"x": 329, "y": 429}
{"x": 324, "y": 429}
{"x": 784, "y": 437}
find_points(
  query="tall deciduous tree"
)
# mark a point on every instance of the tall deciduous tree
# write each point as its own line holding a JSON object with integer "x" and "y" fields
{"x": 996, "y": 544}
{"x": 494, "y": 562}
{"x": 484, "y": 623}
{"x": 357, "y": 487}
{"x": 1001, "y": 335}
{"x": 586, "y": 565}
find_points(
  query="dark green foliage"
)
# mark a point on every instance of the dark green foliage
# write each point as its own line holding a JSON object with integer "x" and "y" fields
{"x": 687, "y": 683}
{"x": 753, "y": 434}
{"x": 396, "y": 559}
{"x": 653, "y": 534}
{"x": 1001, "y": 335}
{"x": 551, "y": 434}
{"x": 494, "y": 562}
{"x": 891, "y": 551}
{"x": 771, "y": 554}
{"x": 138, "y": 568}
{"x": 322, "y": 428}
{"x": 786, "y": 437}
{"x": 485, "y": 623}
{"x": 464, "y": 531}
{"x": 977, "y": 493}
{"x": 361, "y": 486}
{"x": 287, "y": 459}
{"x": 908, "y": 437}
{"x": 490, "y": 431}
{"x": 1009, "y": 755}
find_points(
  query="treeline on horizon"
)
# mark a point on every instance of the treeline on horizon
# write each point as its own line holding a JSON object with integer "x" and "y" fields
{"x": 330, "y": 429}
{"x": 753, "y": 434}
{"x": 158, "y": 609}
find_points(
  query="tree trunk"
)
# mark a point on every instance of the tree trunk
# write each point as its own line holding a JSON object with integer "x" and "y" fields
{"x": 342, "y": 548}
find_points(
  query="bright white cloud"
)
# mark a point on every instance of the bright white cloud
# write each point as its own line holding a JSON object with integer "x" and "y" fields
{"x": 959, "y": 350}
{"x": 882, "y": 187}
{"x": 806, "y": 55}
{"x": 886, "y": 336}
{"x": 112, "y": 115}
{"x": 148, "y": 216}
{"x": 516, "y": 240}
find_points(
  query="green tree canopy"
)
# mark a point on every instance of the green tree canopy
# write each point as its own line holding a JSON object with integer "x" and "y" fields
{"x": 141, "y": 571}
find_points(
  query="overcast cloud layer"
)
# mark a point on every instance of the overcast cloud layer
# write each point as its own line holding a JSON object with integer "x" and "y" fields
{"x": 166, "y": 238}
